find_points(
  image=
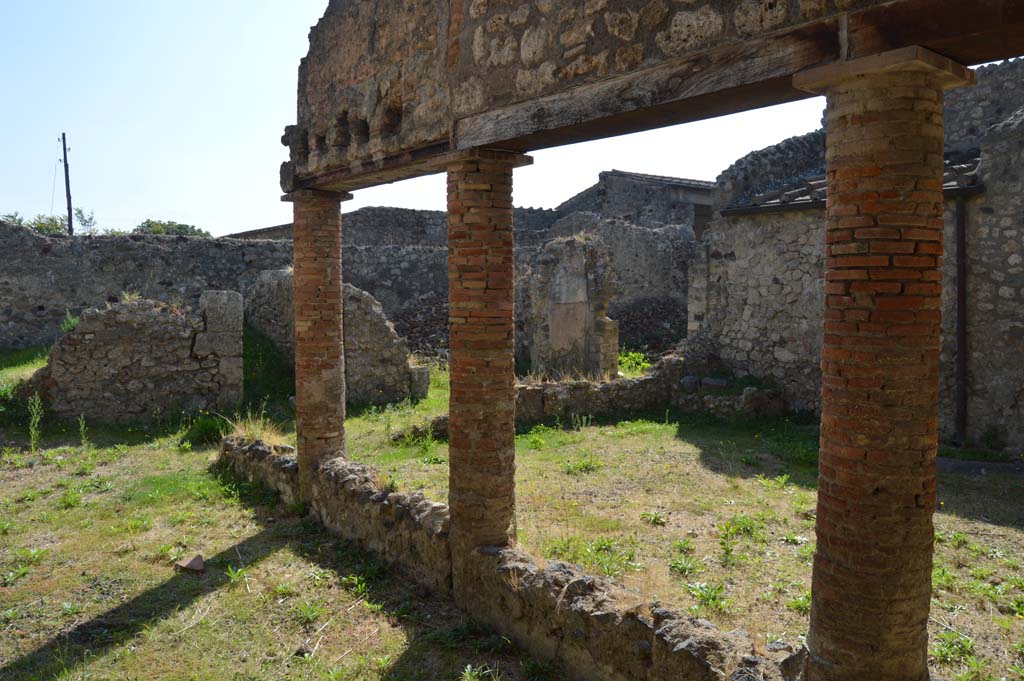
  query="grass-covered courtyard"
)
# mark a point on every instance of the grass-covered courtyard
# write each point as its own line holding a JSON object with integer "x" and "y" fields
{"x": 708, "y": 516}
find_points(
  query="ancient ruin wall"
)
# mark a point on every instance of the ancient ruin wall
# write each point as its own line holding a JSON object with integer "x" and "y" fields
{"x": 378, "y": 369}
{"x": 970, "y": 112}
{"x": 761, "y": 296}
{"x": 44, "y": 277}
{"x": 143, "y": 360}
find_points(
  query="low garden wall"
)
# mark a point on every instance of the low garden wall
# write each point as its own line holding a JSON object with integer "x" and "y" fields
{"x": 597, "y": 629}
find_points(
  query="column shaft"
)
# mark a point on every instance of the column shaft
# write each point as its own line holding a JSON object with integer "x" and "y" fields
{"x": 319, "y": 338}
{"x": 482, "y": 404}
{"x": 880, "y": 364}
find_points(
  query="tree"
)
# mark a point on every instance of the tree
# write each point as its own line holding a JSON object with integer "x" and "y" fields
{"x": 169, "y": 228}
{"x": 86, "y": 221}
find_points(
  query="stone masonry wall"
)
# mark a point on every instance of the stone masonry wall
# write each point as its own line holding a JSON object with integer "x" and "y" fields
{"x": 760, "y": 296}
{"x": 44, "y": 277}
{"x": 139, "y": 360}
{"x": 970, "y": 112}
{"x": 378, "y": 369}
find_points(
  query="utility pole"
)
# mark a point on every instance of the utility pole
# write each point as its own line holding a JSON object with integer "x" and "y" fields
{"x": 67, "y": 185}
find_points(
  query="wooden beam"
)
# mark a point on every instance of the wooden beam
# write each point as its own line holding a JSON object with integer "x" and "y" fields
{"x": 967, "y": 31}
{"x": 741, "y": 76}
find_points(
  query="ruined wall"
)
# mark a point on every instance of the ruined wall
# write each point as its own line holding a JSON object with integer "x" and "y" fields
{"x": 567, "y": 328}
{"x": 143, "y": 360}
{"x": 645, "y": 199}
{"x": 378, "y": 368}
{"x": 970, "y": 112}
{"x": 44, "y": 277}
{"x": 650, "y": 264}
{"x": 763, "y": 296}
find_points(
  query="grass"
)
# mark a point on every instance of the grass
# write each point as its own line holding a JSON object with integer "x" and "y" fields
{"x": 707, "y": 516}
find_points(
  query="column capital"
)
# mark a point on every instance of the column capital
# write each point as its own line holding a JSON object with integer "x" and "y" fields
{"x": 951, "y": 74}
{"x": 514, "y": 159}
{"x": 316, "y": 195}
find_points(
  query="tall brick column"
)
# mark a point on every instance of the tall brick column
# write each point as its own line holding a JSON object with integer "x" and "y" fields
{"x": 871, "y": 584}
{"x": 480, "y": 298}
{"x": 319, "y": 341}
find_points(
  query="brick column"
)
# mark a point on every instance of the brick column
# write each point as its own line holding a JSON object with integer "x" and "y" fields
{"x": 871, "y": 586}
{"x": 480, "y": 297}
{"x": 319, "y": 341}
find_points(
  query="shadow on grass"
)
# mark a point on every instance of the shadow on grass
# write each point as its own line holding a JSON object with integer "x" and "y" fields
{"x": 433, "y": 626}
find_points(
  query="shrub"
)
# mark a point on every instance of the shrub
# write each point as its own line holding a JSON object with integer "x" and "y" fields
{"x": 70, "y": 322}
{"x": 205, "y": 429}
{"x": 633, "y": 363}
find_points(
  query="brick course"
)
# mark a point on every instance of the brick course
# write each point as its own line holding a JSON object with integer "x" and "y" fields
{"x": 880, "y": 369}
{"x": 319, "y": 338}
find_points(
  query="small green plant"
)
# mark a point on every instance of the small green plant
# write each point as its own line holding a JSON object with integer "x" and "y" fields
{"x": 587, "y": 463}
{"x": 130, "y": 296}
{"x": 633, "y": 363}
{"x": 656, "y": 518}
{"x": 70, "y": 322}
{"x": 683, "y": 546}
{"x": 35, "y": 418}
{"x": 975, "y": 670}
{"x": 801, "y": 603}
{"x": 482, "y": 673}
{"x": 711, "y": 596}
{"x": 952, "y": 647}
{"x": 70, "y": 499}
{"x": 284, "y": 590}
{"x": 14, "y": 575}
{"x": 685, "y": 566}
{"x": 236, "y": 576}
{"x": 307, "y": 612}
{"x": 959, "y": 540}
{"x": 433, "y": 460}
{"x": 204, "y": 429}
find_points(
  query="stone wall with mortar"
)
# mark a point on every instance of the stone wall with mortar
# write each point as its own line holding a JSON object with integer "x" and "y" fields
{"x": 44, "y": 277}
{"x": 378, "y": 368}
{"x": 970, "y": 112}
{"x": 141, "y": 360}
{"x": 594, "y": 627}
{"x": 400, "y": 87}
{"x": 759, "y": 294}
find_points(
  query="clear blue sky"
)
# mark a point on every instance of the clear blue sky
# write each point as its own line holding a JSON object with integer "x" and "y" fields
{"x": 174, "y": 111}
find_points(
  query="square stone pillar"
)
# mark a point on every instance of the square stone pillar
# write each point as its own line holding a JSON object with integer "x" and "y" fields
{"x": 481, "y": 438}
{"x": 319, "y": 337}
{"x": 871, "y": 585}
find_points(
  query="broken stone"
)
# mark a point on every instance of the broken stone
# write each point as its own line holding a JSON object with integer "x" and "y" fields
{"x": 194, "y": 565}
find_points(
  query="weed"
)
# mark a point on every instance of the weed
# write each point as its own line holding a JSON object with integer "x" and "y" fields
{"x": 684, "y": 546}
{"x": 307, "y": 612}
{"x": 959, "y": 540}
{"x": 69, "y": 323}
{"x": 83, "y": 431}
{"x": 601, "y": 553}
{"x": 16, "y": 574}
{"x": 632, "y": 364}
{"x": 975, "y": 670}
{"x": 655, "y": 518}
{"x": 801, "y": 603}
{"x": 711, "y": 596}
{"x": 483, "y": 673}
{"x": 236, "y": 576}
{"x": 685, "y": 566}
{"x": 587, "y": 463}
{"x": 433, "y": 460}
{"x": 35, "y": 418}
{"x": 284, "y": 590}
{"x": 204, "y": 429}
{"x": 952, "y": 647}
{"x": 794, "y": 539}
{"x": 70, "y": 499}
